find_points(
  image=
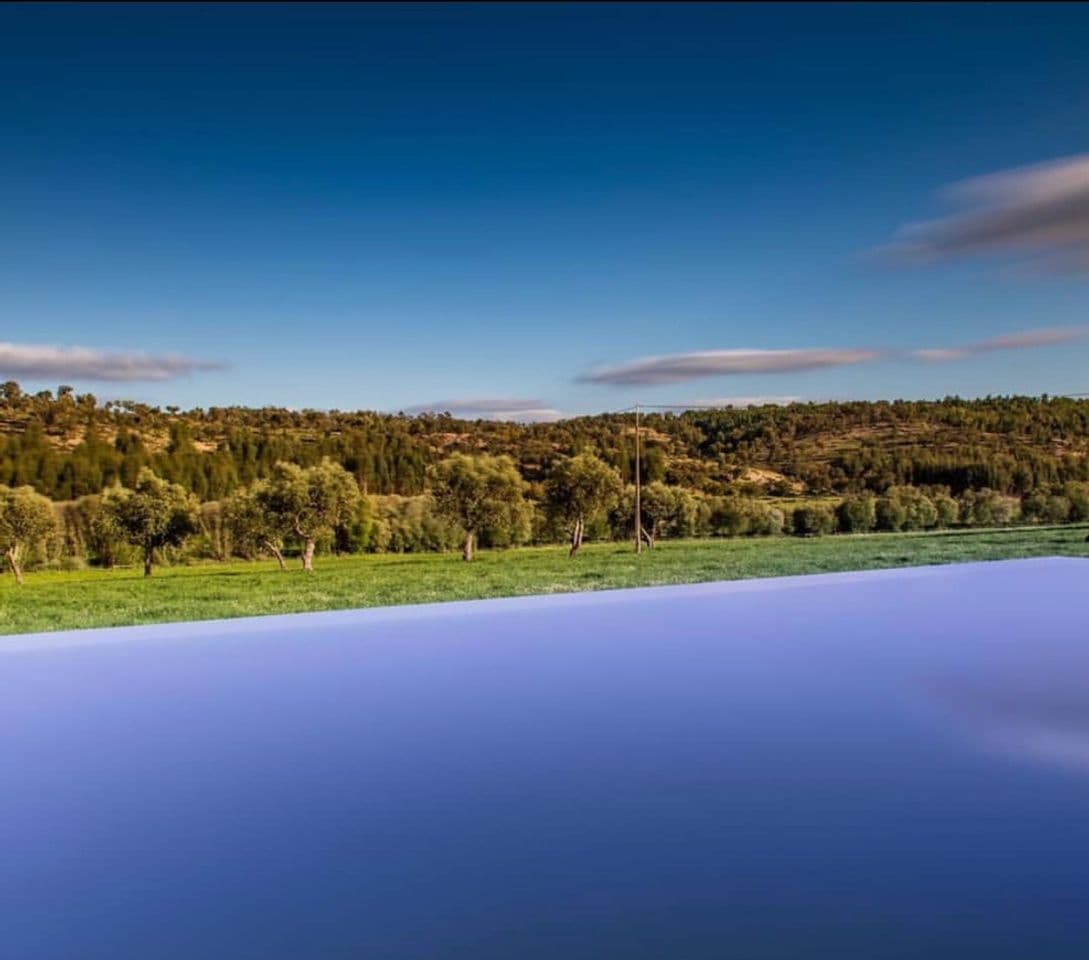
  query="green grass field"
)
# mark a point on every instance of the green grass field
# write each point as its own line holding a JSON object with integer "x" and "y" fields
{"x": 96, "y": 598}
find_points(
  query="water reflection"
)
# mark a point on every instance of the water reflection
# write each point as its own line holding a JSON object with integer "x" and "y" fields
{"x": 1046, "y": 720}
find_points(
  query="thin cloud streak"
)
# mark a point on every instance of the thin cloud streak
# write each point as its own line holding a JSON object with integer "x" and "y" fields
{"x": 739, "y": 402}
{"x": 40, "y": 361}
{"x": 492, "y": 408}
{"x": 1042, "y": 211}
{"x": 679, "y": 367}
{"x": 1027, "y": 340}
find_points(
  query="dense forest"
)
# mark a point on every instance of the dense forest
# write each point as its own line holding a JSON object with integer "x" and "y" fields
{"x": 67, "y": 445}
{"x": 113, "y": 483}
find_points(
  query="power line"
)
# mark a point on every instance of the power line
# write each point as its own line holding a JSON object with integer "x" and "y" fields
{"x": 638, "y": 409}
{"x": 638, "y": 488}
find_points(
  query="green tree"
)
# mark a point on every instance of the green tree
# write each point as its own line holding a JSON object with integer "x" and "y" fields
{"x": 1041, "y": 506}
{"x": 658, "y": 506}
{"x": 154, "y": 514}
{"x": 1058, "y": 509}
{"x": 921, "y": 513}
{"x": 666, "y": 512}
{"x": 766, "y": 520}
{"x": 253, "y": 522}
{"x": 310, "y": 502}
{"x": 732, "y": 516}
{"x": 946, "y": 508}
{"x": 907, "y": 508}
{"x": 581, "y": 488}
{"x": 26, "y": 519}
{"x": 735, "y": 516}
{"x": 103, "y": 537}
{"x": 856, "y": 515}
{"x": 477, "y": 493}
{"x": 1078, "y": 495}
{"x": 987, "y": 508}
{"x": 891, "y": 514}
{"x": 813, "y": 520}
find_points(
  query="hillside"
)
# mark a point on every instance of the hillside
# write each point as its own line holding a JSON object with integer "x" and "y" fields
{"x": 67, "y": 445}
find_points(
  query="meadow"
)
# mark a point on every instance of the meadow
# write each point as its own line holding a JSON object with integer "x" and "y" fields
{"x": 55, "y": 600}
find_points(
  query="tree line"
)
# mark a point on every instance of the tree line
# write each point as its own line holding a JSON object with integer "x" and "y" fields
{"x": 470, "y": 499}
{"x": 67, "y": 445}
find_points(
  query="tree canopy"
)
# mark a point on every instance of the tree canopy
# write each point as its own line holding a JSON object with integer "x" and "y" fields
{"x": 69, "y": 445}
{"x": 26, "y": 518}
{"x": 309, "y": 502}
{"x": 581, "y": 488}
{"x": 478, "y": 493}
{"x": 154, "y": 514}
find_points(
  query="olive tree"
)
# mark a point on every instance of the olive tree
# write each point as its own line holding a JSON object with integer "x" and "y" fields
{"x": 26, "y": 519}
{"x": 310, "y": 502}
{"x": 477, "y": 493}
{"x": 104, "y": 540}
{"x": 154, "y": 514}
{"x": 670, "y": 512}
{"x": 580, "y": 488}
{"x": 253, "y": 524}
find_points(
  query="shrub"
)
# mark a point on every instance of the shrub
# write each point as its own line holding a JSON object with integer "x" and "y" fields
{"x": 742, "y": 517}
{"x": 813, "y": 521}
{"x": 856, "y": 515}
{"x": 906, "y": 508}
{"x": 1078, "y": 495}
{"x": 946, "y": 508}
{"x": 988, "y": 508}
{"x": 1039, "y": 506}
{"x": 890, "y": 514}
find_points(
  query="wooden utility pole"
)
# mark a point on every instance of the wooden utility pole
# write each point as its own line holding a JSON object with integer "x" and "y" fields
{"x": 638, "y": 490}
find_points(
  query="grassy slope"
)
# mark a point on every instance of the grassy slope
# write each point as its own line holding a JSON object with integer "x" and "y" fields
{"x": 56, "y": 601}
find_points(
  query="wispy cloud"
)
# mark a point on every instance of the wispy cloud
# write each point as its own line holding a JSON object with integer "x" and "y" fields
{"x": 679, "y": 367}
{"x": 39, "y": 361}
{"x": 710, "y": 402}
{"x": 492, "y": 408}
{"x": 1026, "y": 340}
{"x": 1041, "y": 211}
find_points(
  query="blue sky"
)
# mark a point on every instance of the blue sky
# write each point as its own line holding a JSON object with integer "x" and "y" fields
{"x": 505, "y": 207}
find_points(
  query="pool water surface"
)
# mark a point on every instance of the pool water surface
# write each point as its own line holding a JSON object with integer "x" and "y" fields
{"x": 889, "y": 764}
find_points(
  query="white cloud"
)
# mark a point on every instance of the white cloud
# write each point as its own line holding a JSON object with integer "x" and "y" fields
{"x": 679, "y": 367}
{"x": 1027, "y": 340}
{"x": 712, "y": 402}
{"x": 44, "y": 362}
{"x": 492, "y": 408}
{"x": 1041, "y": 211}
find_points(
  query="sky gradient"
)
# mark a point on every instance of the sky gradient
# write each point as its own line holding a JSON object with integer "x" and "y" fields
{"x": 505, "y": 209}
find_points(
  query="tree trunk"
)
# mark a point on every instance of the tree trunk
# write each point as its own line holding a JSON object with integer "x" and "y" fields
{"x": 276, "y": 552}
{"x": 576, "y": 537}
{"x": 467, "y": 549}
{"x": 148, "y": 551}
{"x": 13, "y": 562}
{"x": 647, "y": 538}
{"x": 308, "y": 556}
